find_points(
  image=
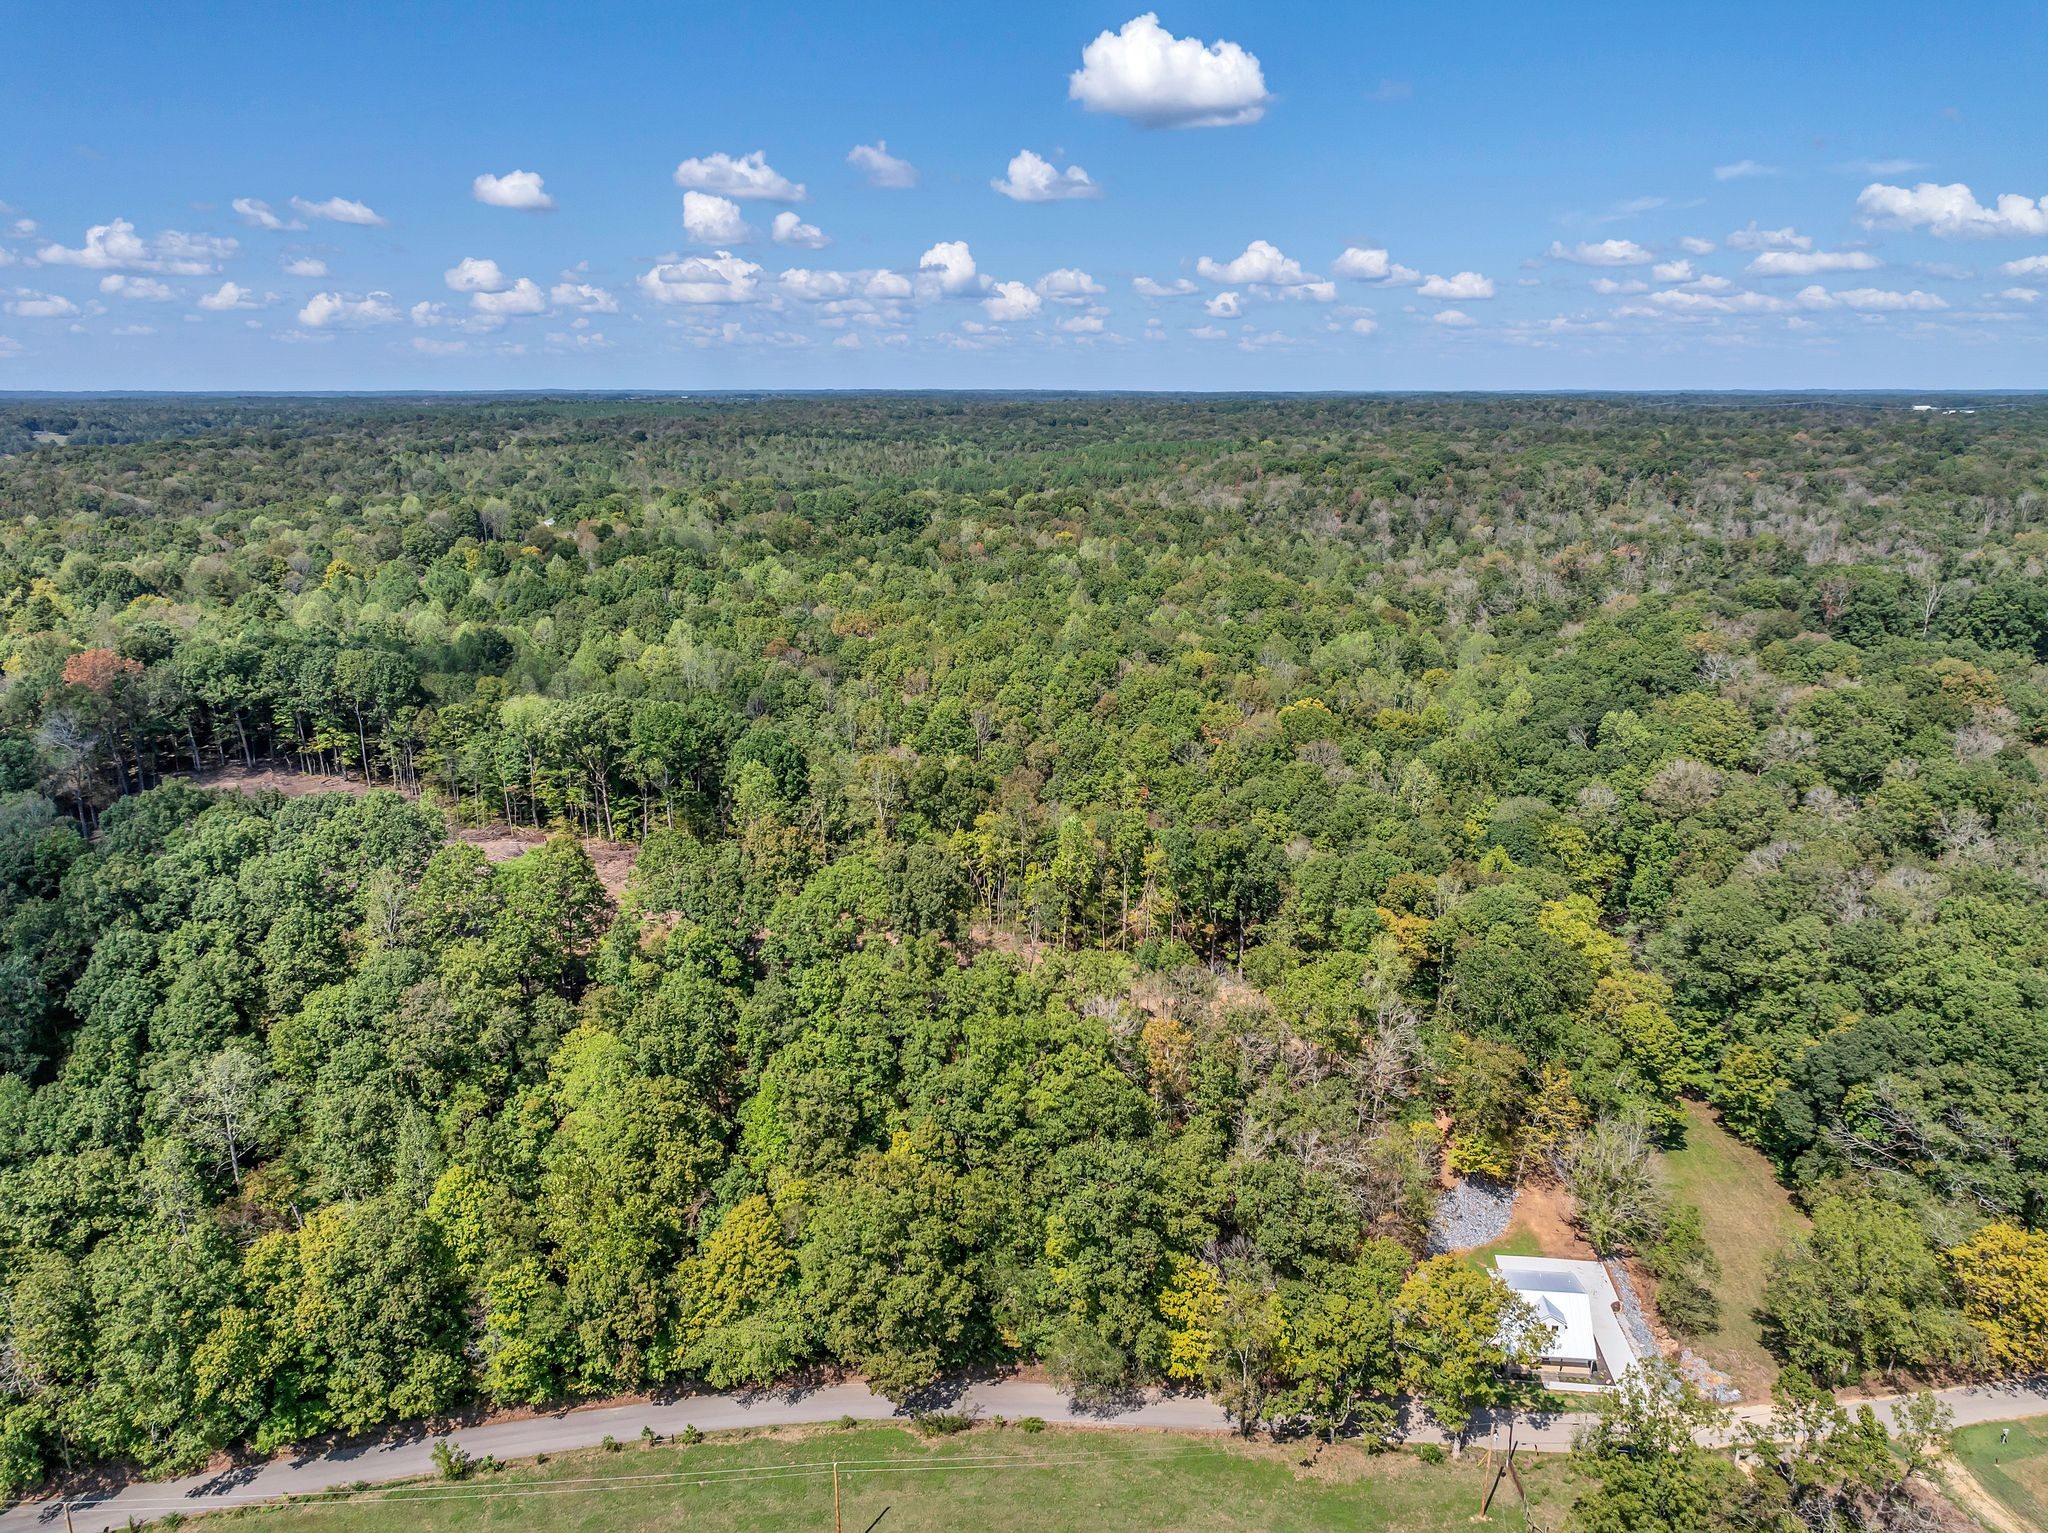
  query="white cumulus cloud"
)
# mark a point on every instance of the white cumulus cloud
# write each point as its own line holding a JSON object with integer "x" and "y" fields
{"x": 949, "y": 267}
{"x": 788, "y": 229}
{"x": 1147, "y": 287}
{"x": 1601, "y": 253}
{"x": 1672, "y": 271}
{"x": 522, "y": 297}
{"x": 1869, "y": 299}
{"x": 339, "y": 210}
{"x": 709, "y": 219}
{"x": 120, "y": 285}
{"x": 29, "y": 304}
{"x": 1952, "y": 211}
{"x": 1462, "y": 288}
{"x": 115, "y": 246}
{"x": 1742, "y": 169}
{"x": 746, "y": 178}
{"x": 1455, "y": 318}
{"x": 723, "y": 278}
{"x": 1223, "y": 306}
{"x": 1371, "y": 264}
{"x": 1692, "y": 244}
{"x": 305, "y": 266}
{"x": 1010, "y": 300}
{"x": 1145, "y": 73}
{"x": 1261, "y": 263}
{"x": 880, "y": 166}
{"x": 1068, "y": 284}
{"x": 475, "y": 274}
{"x": 584, "y": 297}
{"x": 334, "y": 310}
{"x": 230, "y": 295}
{"x": 519, "y": 189}
{"x": 1805, "y": 263}
{"x": 1031, "y": 178}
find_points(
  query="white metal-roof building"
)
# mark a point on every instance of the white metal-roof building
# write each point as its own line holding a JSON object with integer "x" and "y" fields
{"x": 1590, "y": 1348}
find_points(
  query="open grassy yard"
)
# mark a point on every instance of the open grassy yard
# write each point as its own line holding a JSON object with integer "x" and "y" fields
{"x": 986, "y": 1478}
{"x": 1747, "y": 1216}
{"x": 2015, "y": 1473}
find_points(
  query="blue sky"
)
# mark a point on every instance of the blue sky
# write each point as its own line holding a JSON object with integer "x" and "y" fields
{"x": 1224, "y": 196}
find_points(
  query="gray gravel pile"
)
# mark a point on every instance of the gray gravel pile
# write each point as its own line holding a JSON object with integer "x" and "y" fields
{"x": 1633, "y": 1320}
{"x": 1470, "y": 1214}
{"x": 1713, "y": 1383}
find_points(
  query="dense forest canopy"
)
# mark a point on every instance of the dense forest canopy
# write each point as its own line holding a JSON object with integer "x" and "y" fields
{"x": 1098, "y": 860}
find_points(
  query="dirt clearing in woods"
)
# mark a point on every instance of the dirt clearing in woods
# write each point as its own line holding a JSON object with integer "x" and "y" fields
{"x": 499, "y": 843}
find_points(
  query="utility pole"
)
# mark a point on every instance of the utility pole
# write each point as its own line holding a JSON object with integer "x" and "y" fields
{"x": 835, "y": 1497}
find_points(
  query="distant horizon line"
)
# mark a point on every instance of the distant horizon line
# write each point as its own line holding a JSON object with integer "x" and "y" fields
{"x": 544, "y": 392}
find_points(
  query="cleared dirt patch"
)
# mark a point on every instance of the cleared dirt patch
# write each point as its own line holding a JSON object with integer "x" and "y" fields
{"x": 612, "y": 859}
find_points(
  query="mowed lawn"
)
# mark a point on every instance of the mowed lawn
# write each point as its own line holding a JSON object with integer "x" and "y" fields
{"x": 1747, "y": 1217}
{"x": 1050, "y": 1482}
{"x": 2015, "y": 1472}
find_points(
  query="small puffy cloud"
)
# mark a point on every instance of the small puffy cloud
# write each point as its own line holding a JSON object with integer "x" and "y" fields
{"x": 583, "y": 297}
{"x": 709, "y": 219}
{"x": 1082, "y": 324}
{"x": 522, "y": 297}
{"x": 258, "y": 215}
{"x": 29, "y": 304}
{"x": 339, "y": 210}
{"x": 880, "y": 166}
{"x": 305, "y": 266}
{"x": 120, "y": 285}
{"x": 723, "y": 278}
{"x": 889, "y": 285}
{"x": 1179, "y": 287}
{"x": 1223, "y": 306}
{"x": 1672, "y": 271}
{"x": 788, "y": 229}
{"x": 1692, "y": 244}
{"x": 1068, "y": 284}
{"x": 1868, "y": 299}
{"x": 1260, "y": 263}
{"x": 1805, "y": 263}
{"x": 436, "y": 346}
{"x": 1011, "y": 300}
{"x": 1462, "y": 288}
{"x": 1371, "y": 264}
{"x": 2026, "y": 266}
{"x": 1365, "y": 324}
{"x": 1455, "y": 318}
{"x": 749, "y": 178}
{"x": 325, "y": 311}
{"x": 1032, "y": 178}
{"x": 520, "y": 189}
{"x": 1742, "y": 170}
{"x": 1753, "y": 238}
{"x": 1210, "y": 333}
{"x": 115, "y": 246}
{"x": 1601, "y": 253}
{"x": 1145, "y": 73}
{"x": 2021, "y": 294}
{"x": 1952, "y": 212}
{"x": 230, "y": 295}
{"x": 135, "y": 329}
{"x": 1611, "y": 286}
{"x": 949, "y": 267}
{"x": 475, "y": 274}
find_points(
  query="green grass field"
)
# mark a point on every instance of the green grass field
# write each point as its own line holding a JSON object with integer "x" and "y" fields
{"x": 1747, "y": 1216}
{"x": 1068, "y": 1480}
{"x": 2015, "y": 1472}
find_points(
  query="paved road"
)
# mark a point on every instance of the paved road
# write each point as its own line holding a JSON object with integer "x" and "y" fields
{"x": 407, "y": 1457}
